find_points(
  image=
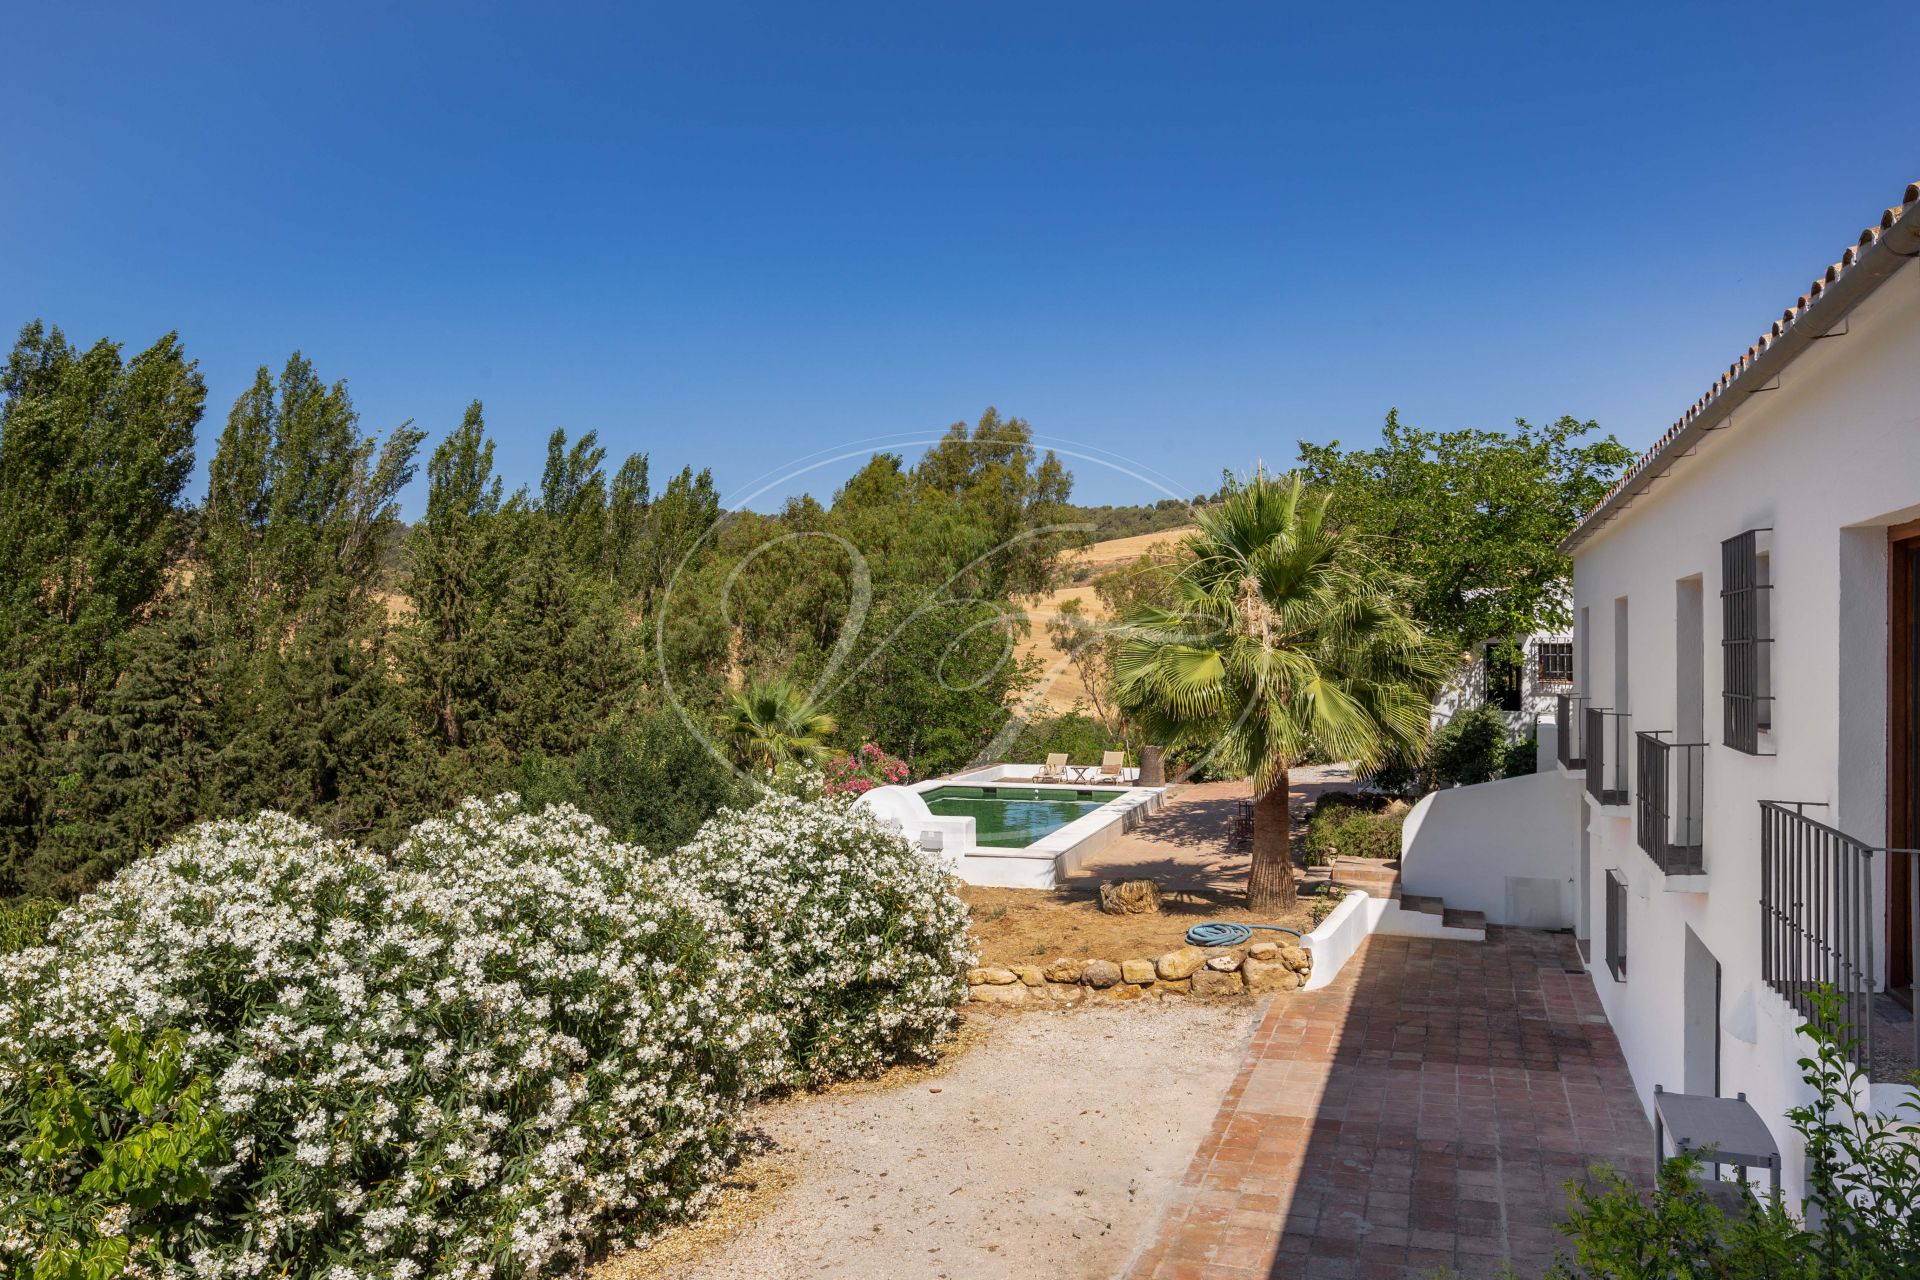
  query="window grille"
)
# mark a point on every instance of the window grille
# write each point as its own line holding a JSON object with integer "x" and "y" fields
{"x": 1744, "y": 646}
{"x": 1554, "y": 659}
{"x": 1617, "y": 925}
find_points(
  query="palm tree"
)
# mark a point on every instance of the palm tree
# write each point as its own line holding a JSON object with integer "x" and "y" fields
{"x": 1282, "y": 636}
{"x": 772, "y": 722}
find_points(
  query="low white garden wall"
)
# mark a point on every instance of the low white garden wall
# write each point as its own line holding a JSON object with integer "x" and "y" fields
{"x": 1509, "y": 848}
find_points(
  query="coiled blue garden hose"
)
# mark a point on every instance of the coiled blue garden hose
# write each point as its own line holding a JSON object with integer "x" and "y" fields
{"x": 1223, "y": 933}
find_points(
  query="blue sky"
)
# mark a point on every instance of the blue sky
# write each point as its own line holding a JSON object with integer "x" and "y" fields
{"x": 735, "y": 236}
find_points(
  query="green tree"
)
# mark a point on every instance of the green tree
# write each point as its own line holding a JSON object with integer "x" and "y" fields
{"x": 456, "y": 573}
{"x": 94, "y": 452}
{"x": 772, "y": 722}
{"x": 300, "y": 525}
{"x": 1472, "y": 518}
{"x": 1284, "y": 639}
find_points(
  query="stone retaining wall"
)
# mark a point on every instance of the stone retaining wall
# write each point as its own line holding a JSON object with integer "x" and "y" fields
{"x": 1256, "y": 969}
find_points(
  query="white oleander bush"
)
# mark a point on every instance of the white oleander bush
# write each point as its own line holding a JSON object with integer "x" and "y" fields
{"x": 862, "y": 942}
{"x": 515, "y": 1043}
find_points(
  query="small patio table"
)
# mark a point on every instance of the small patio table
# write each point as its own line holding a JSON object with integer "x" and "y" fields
{"x": 1723, "y": 1130}
{"x": 1081, "y": 772}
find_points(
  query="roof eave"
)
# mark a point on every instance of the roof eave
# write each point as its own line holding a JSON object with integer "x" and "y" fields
{"x": 1881, "y": 252}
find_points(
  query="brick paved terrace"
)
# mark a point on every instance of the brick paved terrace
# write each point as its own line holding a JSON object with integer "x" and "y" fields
{"x": 1424, "y": 1112}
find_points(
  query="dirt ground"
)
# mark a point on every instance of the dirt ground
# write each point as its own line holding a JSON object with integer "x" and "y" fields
{"x": 1028, "y": 926}
{"x": 1046, "y": 1151}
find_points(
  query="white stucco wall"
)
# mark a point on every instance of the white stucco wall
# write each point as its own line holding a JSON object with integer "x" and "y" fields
{"x": 1467, "y": 687}
{"x": 1509, "y": 848}
{"x": 1828, "y": 460}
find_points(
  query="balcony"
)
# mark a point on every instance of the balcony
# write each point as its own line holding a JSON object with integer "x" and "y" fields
{"x": 1669, "y": 801}
{"x": 1605, "y": 740}
{"x": 1569, "y": 721}
{"x": 1817, "y": 928}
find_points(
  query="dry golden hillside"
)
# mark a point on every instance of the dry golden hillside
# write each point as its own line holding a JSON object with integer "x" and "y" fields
{"x": 1060, "y": 687}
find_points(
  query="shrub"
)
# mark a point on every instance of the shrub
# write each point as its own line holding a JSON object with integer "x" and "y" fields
{"x": 1083, "y": 738}
{"x": 24, "y": 922}
{"x": 1349, "y": 826}
{"x": 863, "y": 945}
{"x": 512, "y": 1044}
{"x": 857, "y": 772}
{"x": 144, "y": 1136}
{"x": 1469, "y": 748}
{"x": 1521, "y": 758}
{"x": 1863, "y": 1201}
{"x": 647, "y": 778}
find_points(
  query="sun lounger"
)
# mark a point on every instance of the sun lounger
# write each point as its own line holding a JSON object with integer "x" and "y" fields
{"x": 1055, "y": 770}
{"x": 1113, "y": 767}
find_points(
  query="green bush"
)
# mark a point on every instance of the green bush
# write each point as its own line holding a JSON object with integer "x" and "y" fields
{"x": 1862, "y": 1215}
{"x": 24, "y": 921}
{"x": 1352, "y": 826}
{"x": 1470, "y": 748}
{"x": 647, "y": 778}
{"x": 1520, "y": 758}
{"x": 119, "y": 1160}
{"x": 1083, "y": 738}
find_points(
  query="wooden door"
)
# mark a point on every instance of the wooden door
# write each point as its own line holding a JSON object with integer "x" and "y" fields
{"x": 1903, "y": 749}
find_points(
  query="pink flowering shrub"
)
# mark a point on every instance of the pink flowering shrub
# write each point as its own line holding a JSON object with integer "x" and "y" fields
{"x": 862, "y": 770}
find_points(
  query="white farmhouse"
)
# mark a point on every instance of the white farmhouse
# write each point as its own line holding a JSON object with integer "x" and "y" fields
{"x": 1745, "y": 716}
{"x": 1524, "y": 691}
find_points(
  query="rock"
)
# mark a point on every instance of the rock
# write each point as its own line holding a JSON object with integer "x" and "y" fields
{"x": 1174, "y": 987}
{"x": 1225, "y": 962}
{"x": 1211, "y": 982}
{"x": 996, "y": 993}
{"x": 1181, "y": 963}
{"x": 1140, "y": 971}
{"x": 1298, "y": 959}
{"x": 1268, "y": 975}
{"x": 1130, "y": 897}
{"x": 1065, "y": 992}
{"x": 1264, "y": 950}
{"x": 1100, "y": 974}
{"x": 1029, "y": 974}
{"x": 1126, "y": 991}
{"x": 1065, "y": 969}
{"x": 990, "y": 976}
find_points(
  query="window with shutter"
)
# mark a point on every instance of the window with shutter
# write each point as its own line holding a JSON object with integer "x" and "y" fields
{"x": 1745, "y": 646}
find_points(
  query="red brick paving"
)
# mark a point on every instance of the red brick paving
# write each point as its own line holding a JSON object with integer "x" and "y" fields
{"x": 1423, "y": 1112}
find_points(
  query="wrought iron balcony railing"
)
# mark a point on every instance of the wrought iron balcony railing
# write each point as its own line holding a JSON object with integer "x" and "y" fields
{"x": 1569, "y": 721}
{"x": 1669, "y": 801}
{"x": 1607, "y": 762}
{"x": 1817, "y": 917}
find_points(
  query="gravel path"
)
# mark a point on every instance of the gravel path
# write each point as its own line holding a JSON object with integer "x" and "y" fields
{"x": 1046, "y": 1153}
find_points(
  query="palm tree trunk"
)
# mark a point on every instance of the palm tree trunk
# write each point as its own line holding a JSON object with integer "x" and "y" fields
{"x": 1270, "y": 879}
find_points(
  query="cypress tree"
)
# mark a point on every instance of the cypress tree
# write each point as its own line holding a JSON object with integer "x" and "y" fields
{"x": 94, "y": 451}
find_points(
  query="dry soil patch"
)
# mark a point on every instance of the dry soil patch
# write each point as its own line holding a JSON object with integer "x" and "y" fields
{"x": 1026, "y": 926}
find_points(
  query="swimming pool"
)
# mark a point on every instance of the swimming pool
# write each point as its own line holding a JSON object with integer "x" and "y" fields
{"x": 1015, "y": 817}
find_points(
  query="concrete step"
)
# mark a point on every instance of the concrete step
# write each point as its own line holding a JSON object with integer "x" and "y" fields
{"x": 1371, "y": 874}
{"x": 1461, "y": 918}
{"x": 1423, "y": 904}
